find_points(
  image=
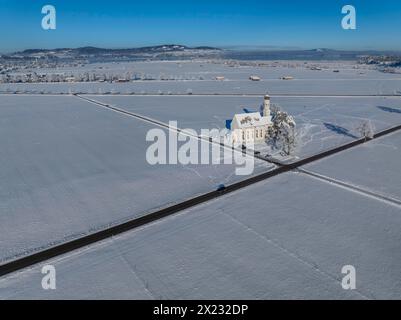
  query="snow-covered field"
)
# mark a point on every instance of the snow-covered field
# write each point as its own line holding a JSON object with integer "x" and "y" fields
{"x": 209, "y": 69}
{"x": 275, "y": 86}
{"x": 373, "y": 166}
{"x": 252, "y": 244}
{"x": 198, "y": 77}
{"x": 322, "y": 122}
{"x": 69, "y": 167}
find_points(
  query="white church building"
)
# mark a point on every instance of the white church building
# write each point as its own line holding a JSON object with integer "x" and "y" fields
{"x": 252, "y": 128}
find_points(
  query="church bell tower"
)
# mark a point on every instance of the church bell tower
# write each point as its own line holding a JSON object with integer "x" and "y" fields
{"x": 266, "y": 106}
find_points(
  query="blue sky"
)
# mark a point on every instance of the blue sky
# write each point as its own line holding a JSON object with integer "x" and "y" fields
{"x": 131, "y": 23}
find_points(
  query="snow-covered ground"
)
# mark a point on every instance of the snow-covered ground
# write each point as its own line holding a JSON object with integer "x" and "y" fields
{"x": 198, "y": 77}
{"x": 322, "y": 122}
{"x": 373, "y": 166}
{"x": 297, "y": 86}
{"x": 209, "y": 69}
{"x": 69, "y": 167}
{"x": 287, "y": 237}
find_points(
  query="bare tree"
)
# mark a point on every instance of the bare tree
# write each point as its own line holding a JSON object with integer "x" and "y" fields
{"x": 366, "y": 129}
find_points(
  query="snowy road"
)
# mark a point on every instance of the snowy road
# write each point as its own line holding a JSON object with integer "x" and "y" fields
{"x": 250, "y": 244}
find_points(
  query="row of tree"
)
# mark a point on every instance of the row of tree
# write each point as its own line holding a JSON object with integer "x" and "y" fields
{"x": 34, "y": 77}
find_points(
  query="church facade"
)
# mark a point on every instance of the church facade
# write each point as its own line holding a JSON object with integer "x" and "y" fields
{"x": 251, "y": 128}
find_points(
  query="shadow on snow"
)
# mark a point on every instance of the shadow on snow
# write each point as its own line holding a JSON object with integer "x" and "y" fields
{"x": 339, "y": 130}
{"x": 388, "y": 109}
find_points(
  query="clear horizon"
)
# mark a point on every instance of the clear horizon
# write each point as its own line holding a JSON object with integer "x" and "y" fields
{"x": 120, "y": 24}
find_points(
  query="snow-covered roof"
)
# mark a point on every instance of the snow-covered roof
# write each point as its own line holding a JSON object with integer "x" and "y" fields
{"x": 247, "y": 120}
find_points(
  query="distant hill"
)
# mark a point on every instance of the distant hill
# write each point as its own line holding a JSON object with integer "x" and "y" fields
{"x": 94, "y": 54}
{"x": 100, "y": 51}
{"x": 176, "y": 51}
